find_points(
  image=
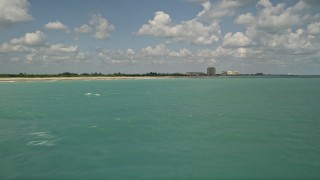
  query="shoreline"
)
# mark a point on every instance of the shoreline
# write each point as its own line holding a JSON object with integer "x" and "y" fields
{"x": 50, "y": 79}
{"x": 97, "y": 78}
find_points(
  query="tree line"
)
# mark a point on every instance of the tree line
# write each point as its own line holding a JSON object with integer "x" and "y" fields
{"x": 95, "y": 74}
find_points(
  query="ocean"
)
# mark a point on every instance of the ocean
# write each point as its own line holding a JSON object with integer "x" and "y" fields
{"x": 179, "y": 128}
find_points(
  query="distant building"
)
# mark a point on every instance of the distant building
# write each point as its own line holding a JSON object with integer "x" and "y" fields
{"x": 230, "y": 73}
{"x": 211, "y": 71}
{"x": 195, "y": 74}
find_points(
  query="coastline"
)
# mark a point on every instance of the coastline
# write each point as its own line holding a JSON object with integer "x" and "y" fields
{"x": 96, "y": 78}
{"x": 48, "y": 79}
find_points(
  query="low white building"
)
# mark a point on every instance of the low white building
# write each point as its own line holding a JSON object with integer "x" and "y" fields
{"x": 230, "y": 73}
{"x": 195, "y": 74}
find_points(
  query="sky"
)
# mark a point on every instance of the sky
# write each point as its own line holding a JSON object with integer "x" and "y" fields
{"x": 164, "y": 36}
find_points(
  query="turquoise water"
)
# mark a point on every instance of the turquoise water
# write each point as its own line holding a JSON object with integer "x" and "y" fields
{"x": 215, "y": 128}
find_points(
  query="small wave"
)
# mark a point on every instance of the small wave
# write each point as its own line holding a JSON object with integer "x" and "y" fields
{"x": 41, "y": 143}
{"x": 42, "y": 134}
{"x": 7, "y": 81}
{"x": 42, "y": 138}
{"x": 91, "y": 94}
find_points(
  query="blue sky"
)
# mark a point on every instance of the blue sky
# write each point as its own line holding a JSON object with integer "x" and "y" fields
{"x": 167, "y": 36}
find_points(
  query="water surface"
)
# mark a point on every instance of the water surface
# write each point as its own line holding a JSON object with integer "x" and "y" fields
{"x": 211, "y": 128}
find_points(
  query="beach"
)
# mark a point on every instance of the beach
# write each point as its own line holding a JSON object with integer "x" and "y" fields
{"x": 36, "y": 79}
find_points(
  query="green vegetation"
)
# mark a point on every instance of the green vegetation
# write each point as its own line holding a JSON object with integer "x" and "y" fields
{"x": 68, "y": 74}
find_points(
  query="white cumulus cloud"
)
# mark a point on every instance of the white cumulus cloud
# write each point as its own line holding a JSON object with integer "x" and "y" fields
{"x": 36, "y": 38}
{"x": 236, "y": 40}
{"x": 56, "y": 25}
{"x": 273, "y": 18}
{"x": 13, "y": 11}
{"x": 8, "y": 47}
{"x": 289, "y": 40}
{"x": 278, "y": 28}
{"x": 192, "y": 31}
{"x": 222, "y": 8}
{"x": 83, "y": 29}
{"x": 25, "y": 43}
{"x": 63, "y": 48}
{"x": 314, "y": 28}
{"x": 102, "y": 27}
{"x": 159, "y": 50}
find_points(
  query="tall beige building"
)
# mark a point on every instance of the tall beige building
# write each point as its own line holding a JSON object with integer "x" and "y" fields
{"x": 211, "y": 71}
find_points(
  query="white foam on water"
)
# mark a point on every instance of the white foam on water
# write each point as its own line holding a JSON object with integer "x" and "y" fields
{"x": 91, "y": 94}
{"x": 42, "y": 138}
{"x": 41, "y": 143}
{"x": 7, "y": 81}
{"x": 42, "y": 134}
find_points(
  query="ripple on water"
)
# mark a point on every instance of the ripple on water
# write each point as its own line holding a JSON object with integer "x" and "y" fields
{"x": 42, "y": 138}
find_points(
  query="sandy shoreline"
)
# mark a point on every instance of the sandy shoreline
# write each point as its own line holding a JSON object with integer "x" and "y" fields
{"x": 18, "y": 79}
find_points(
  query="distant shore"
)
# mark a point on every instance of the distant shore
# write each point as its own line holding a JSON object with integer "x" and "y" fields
{"x": 45, "y": 78}
{"x": 36, "y": 79}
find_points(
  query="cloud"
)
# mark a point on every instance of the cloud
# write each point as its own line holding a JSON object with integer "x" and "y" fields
{"x": 222, "y": 8}
{"x": 270, "y": 29}
{"x": 33, "y": 47}
{"x": 118, "y": 57}
{"x": 290, "y": 40}
{"x": 102, "y": 27}
{"x": 181, "y": 53}
{"x": 165, "y": 54}
{"x": 36, "y": 38}
{"x": 25, "y": 43}
{"x": 271, "y": 33}
{"x": 130, "y": 52}
{"x": 274, "y": 18}
{"x": 197, "y": 1}
{"x": 156, "y": 55}
{"x": 63, "y": 48}
{"x": 159, "y": 50}
{"x": 81, "y": 56}
{"x": 314, "y": 28}
{"x": 221, "y": 52}
{"x": 246, "y": 19}
{"x": 56, "y": 25}
{"x": 83, "y": 29}
{"x": 13, "y": 11}
{"x": 158, "y": 26}
{"x": 61, "y": 52}
{"x": 162, "y": 50}
{"x": 312, "y": 2}
{"x": 191, "y": 31}
{"x": 236, "y": 40}
{"x": 8, "y": 47}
